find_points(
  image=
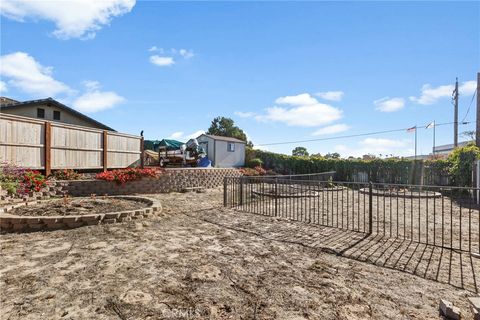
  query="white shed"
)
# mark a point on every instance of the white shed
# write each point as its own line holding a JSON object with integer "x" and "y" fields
{"x": 224, "y": 152}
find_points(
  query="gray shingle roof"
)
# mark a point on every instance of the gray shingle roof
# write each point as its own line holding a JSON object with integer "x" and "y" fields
{"x": 51, "y": 101}
{"x": 214, "y": 137}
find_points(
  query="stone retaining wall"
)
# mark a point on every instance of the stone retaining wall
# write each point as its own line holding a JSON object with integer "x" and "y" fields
{"x": 14, "y": 223}
{"x": 170, "y": 180}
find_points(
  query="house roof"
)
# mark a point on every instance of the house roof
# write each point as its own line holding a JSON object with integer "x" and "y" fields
{"x": 51, "y": 102}
{"x": 449, "y": 147}
{"x": 230, "y": 139}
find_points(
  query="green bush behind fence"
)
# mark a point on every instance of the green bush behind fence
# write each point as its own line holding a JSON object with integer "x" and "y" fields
{"x": 455, "y": 170}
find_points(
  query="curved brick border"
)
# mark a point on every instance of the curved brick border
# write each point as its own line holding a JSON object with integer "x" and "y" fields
{"x": 13, "y": 223}
{"x": 407, "y": 194}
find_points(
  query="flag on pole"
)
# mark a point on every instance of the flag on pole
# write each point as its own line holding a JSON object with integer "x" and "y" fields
{"x": 430, "y": 125}
{"x": 412, "y": 129}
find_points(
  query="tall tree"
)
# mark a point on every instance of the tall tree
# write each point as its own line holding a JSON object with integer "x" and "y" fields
{"x": 225, "y": 127}
{"x": 334, "y": 155}
{"x": 300, "y": 152}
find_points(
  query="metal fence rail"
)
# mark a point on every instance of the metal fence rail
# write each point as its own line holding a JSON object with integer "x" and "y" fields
{"x": 441, "y": 216}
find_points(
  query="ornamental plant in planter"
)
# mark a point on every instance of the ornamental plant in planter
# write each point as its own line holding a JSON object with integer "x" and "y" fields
{"x": 250, "y": 172}
{"x": 67, "y": 174}
{"x": 122, "y": 176}
{"x": 19, "y": 181}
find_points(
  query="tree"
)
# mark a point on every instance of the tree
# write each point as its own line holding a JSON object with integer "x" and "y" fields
{"x": 225, "y": 127}
{"x": 334, "y": 155}
{"x": 471, "y": 134}
{"x": 300, "y": 152}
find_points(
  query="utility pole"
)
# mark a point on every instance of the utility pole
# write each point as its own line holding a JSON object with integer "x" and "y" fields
{"x": 477, "y": 131}
{"x": 455, "y": 116}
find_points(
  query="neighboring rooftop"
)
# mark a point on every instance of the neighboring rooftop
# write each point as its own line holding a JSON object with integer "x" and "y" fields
{"x": 8, "y": 104}
{"x": 214, "y": 137}
{"x": 450, "y": 147}
{"x": 4, "y": 101}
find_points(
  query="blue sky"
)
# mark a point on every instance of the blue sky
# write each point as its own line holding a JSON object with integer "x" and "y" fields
{"x": 282, "y": 70}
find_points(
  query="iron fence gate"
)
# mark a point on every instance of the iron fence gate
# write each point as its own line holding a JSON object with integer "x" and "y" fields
{"x": 447, "y": 217}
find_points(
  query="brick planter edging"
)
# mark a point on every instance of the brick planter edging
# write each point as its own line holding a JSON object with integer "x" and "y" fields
{"x": 14, "y": 223}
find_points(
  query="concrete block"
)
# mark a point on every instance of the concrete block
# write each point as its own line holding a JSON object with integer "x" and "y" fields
{"x": 55, "y": 226}
{"x": 449, "y": 311}
{"x": 19, "y": 227}
{"x": 112, "y": 215}
{"x": 51, "y": 220}
{"x": 75, "y": 224}
{"x": 36, "y": 226}
{"x": 107, "y": 220}
{"x": 71, "y": 219}
{"x": 90, "y": 217}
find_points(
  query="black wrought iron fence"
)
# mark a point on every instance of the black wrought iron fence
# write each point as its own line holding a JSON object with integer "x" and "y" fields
{"x": 441, "y": 216}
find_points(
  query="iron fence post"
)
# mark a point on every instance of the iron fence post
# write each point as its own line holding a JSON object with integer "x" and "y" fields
{"x": 370, "y": 207}
{"x": 225, "y": 191}
{"x": 241, "y": 191}
{"x": 276, "y": 197}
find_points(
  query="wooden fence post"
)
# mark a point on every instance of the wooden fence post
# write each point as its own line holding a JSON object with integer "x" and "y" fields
{"x": 142, "y": 151}
{"x": 48, "y": 148}
{"x": 105, "y": 150}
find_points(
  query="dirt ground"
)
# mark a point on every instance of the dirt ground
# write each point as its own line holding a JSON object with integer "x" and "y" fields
{"x": 199, "y": 260}
{"x": 78, "y": 206}
{"x": 434, "y": 220}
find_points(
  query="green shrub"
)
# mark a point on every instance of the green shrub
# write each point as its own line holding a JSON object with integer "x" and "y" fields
{"x": 461, "y": 162}
{"x": 457, "y": 169}
{"x": 255, "y": 162}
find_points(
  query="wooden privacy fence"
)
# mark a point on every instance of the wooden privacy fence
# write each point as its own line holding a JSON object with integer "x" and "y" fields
{"x": 46, "y": 145}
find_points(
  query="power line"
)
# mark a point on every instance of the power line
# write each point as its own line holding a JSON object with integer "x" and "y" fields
{"x": 471, "y": 101}
{"x": 353, "y": 135}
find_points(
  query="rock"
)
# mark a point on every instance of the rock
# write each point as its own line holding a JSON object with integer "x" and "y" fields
{"x": 449, "y": 311}
{"x": 476, "y": 314}
{"x": 475, "y": 303}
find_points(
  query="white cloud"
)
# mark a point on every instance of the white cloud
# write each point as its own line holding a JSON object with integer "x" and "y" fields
{"x": 376, "y": 146}
{"x": 244, "y": 114}
{"x": 195, "y": 134}
{"x": 73, "y": 18}
{"x": 331, "y": 95}
{"x": 187, "y": 54}
{"x": 22, "y": 71}
{"x": 298, "y": 100}
{"x": 28, "y": 75}
{"x": 176, "y": 135}
{"x": 468, "y": 87}
{"x": 180, "y": 135}
{"x": 161, "y": 61}
{"x": 336, "y": 128}
{"x": 3, "y": 86}
{"x": 430, "y": 95}
{"x": 168, "y": 57}
{"x": 305, "y": 111}
{"x": 94, "y": 100}
{"x": 388, "y": 104}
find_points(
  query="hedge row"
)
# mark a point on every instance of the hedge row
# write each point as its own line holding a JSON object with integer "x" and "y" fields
{"x": 455, "y": 170}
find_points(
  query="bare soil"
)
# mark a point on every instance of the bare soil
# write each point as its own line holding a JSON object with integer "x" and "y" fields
{"x": 201, "y": 261}
{"x": 79, "y": 206}
{"x": 440, "y": 221}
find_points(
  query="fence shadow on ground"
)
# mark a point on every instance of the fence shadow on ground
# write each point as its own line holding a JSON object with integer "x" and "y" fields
{"x": 459, "y": 269}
